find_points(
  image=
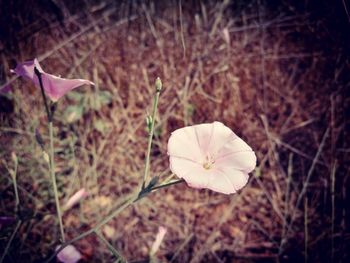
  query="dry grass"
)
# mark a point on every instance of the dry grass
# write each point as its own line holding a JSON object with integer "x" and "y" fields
{"x": 278, "y": 81}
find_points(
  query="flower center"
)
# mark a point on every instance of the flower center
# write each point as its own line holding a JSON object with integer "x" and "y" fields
{"x": 209, "y": 161}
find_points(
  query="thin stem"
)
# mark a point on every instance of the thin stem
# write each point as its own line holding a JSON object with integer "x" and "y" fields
{"x": 19, "y": 222}
{"x": 128, "y": 202}
{"x": 167, "y": 184}
{"x": 14, "y": 177}
{"x": 334, "y": 168}
{"x": 110, "y": 247}
{"x": 16, "y": 193}
{"x": 303, "y": 190}
{"x": 151, "y": 132}
{"x": 49, "y": 116}
{"x": 132, "y": 199}
{"x": 306, "y": 234}
{"x": 169, "y": 178}
{"x": 52, "y": 161}
{"x": 53, "y": 178}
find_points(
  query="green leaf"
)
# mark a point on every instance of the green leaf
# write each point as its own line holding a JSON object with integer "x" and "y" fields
{"x": 100, "y": 126}
{"x": 76, "y": 96}
{"x": 100, "y": 99}
{"x": 73, "y": 113}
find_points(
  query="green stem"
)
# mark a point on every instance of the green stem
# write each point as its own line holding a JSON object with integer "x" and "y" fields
{"x": 132, "y": 199}
{"x": 150, "y": 136}
{"x": 128, "y": 202}
{"x": 16, "y": 193}
{"x": 14, "y": 178}
{"x": 52, "y": 162}
{"x": 19, "y": 222}
{"x": 53, "y": 178}
{"x": 111, "y": 248}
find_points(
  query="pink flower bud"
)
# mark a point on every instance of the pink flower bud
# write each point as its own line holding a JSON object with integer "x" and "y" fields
{"x": 74, "y": 199}
{"x": 69, "y": 254}
{"x": 159, "y": 238}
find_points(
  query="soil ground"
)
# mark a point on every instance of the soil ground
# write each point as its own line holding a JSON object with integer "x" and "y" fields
{"x": 276, "y": 73}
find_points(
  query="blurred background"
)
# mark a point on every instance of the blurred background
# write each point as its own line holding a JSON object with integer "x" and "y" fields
{"x": 275, "y": 72}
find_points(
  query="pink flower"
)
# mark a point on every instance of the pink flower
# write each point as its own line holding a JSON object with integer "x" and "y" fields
{"x": 74, "y": 199}
{"x": 69, "y": 254}
{"x": 211, "y": 156}
{"x": 159, "y": 238}
{"x": 55, "y": 87}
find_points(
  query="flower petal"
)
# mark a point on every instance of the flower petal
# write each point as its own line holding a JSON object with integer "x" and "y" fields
{"x": 26, "y": 69}
{"x": 183, "y": 143}
{"x": 193, "y": 173}
{"x": 56, "y": 87}
{"x": 237, "y": 154}
{"x": 220, "y": 135}
{"x": 228, "y": 181}
{"x": 69, "y": 254}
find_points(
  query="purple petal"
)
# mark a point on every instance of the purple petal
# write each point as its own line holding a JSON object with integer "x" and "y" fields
{"x": 26, "y": 69}
{"x": 55, "y": 87}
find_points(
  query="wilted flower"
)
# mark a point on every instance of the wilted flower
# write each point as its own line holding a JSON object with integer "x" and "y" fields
{"x": 159, "y": 238}
{"x": 69, "y": 254}
{"x": 55, "y": 87}
{"x": 74, "y": 199}
{"x": 211, "y": 156}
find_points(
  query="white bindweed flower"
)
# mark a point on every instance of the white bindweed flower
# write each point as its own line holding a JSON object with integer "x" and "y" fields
{"x": 211, "y": 156}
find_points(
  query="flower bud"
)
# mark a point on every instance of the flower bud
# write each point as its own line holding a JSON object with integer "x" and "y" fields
{"x": 159, "y": 238}
{"x": 158, "y": 84}
{"x": 46, "y": 157}
{"x": 14, "y": 157}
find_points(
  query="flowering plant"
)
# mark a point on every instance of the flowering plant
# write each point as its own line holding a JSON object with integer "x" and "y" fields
{"x": 208, "y": 155}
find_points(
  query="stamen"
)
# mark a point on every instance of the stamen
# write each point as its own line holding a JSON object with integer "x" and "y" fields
{"x": 209, "y": 162}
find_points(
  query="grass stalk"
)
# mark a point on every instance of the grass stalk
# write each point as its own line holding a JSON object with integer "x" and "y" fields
{"x": 306, "y": 231}
{"x": 115, "y": 253}
{"x": 14, "y": 180}
{"x": 334, "y": 168}
{"x": 129, "y": 201}
{"x": 95, "y": 229}
{"x": 19, "y": 222}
